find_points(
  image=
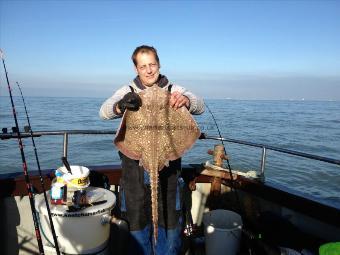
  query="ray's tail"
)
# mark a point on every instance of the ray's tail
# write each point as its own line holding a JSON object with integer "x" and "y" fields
{"x": 154, "y": 172}
{"x": 154, "y": 202}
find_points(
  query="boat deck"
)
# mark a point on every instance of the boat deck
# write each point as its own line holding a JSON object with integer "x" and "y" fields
{"x": 273, "y": 216}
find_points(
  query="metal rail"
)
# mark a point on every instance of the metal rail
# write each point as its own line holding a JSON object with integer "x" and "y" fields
{"x": 11, "y": 135}
{"x": 278, "y": 149}
{"x": 264, "y": 147}
{"x": 64, "y": 133}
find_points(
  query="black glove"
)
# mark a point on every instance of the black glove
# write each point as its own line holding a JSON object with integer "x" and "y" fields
{"x": 130, "y": 101}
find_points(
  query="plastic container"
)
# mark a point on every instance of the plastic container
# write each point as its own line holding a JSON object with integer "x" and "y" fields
{"x": 78, "y": 178}
{"x": 80, "y": 232}
{"x": 57, "y": 193}
{"x": 222, "y": 231}
{"x": 330, "y": 249}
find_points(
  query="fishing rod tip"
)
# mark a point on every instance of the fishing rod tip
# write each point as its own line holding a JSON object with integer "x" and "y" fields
{"x": 1, "y": 54}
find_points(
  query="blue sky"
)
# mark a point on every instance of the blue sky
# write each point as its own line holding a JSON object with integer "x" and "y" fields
{"x": 217, "y": 49}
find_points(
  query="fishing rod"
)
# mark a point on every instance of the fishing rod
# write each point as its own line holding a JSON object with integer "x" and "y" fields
{"x": 40, "y": 175}
{"x": 24, "y": 165}
{"x": 228, "y": 163}
{"x": 247, "y": 232}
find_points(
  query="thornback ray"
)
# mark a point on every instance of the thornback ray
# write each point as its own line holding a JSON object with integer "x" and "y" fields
{"x": 154, "y": 135}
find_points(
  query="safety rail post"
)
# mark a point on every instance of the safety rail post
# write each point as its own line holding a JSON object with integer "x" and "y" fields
{"x": 65, "y": 144}
{"x": 263, "y": 162}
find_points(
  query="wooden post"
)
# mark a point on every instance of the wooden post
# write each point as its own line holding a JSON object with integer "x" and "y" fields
{"x": 219, "y": 155}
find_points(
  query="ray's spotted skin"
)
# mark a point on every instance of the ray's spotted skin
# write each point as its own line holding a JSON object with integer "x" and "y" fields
{"x": 154, "y": 135}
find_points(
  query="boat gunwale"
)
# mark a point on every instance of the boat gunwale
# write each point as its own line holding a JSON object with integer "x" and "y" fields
{"x": 14, "y": 185}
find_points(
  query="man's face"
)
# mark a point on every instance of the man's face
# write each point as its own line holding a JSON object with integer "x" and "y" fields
{"x": 147, "y": 68}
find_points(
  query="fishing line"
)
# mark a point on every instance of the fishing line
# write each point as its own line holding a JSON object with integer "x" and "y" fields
{"x": 228, "y": 163}
{"x": 40, "y": 175}
{"x": 248, "y": 233}
{"x": 24, "y": 164}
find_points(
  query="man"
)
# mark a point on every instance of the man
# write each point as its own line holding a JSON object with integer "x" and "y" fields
{"x": 135, "y": 183}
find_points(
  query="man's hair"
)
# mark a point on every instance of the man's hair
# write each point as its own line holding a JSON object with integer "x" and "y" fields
{"x": 144, "y": 49}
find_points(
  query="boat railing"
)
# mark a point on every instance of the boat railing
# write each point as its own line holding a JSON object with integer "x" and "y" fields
{"x": 264, "y": 147}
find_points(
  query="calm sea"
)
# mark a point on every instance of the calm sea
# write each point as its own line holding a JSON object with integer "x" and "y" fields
{"x": 306, "y": 126}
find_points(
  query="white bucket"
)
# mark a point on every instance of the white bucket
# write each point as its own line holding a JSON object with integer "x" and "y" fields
{"x": 222, "y": 231}
{"x": 80, "y": 232}
{"x": 78, "y": 179}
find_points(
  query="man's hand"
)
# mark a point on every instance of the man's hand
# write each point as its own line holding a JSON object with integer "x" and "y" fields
{"x": 130, "y": 101}
{"x": 177, "y": 100}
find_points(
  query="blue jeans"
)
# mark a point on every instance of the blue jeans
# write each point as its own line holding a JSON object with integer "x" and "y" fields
{"x": 168, "y": 243}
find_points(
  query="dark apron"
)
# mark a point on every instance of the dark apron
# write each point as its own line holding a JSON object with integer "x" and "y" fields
{"x": 135, "y": 195}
